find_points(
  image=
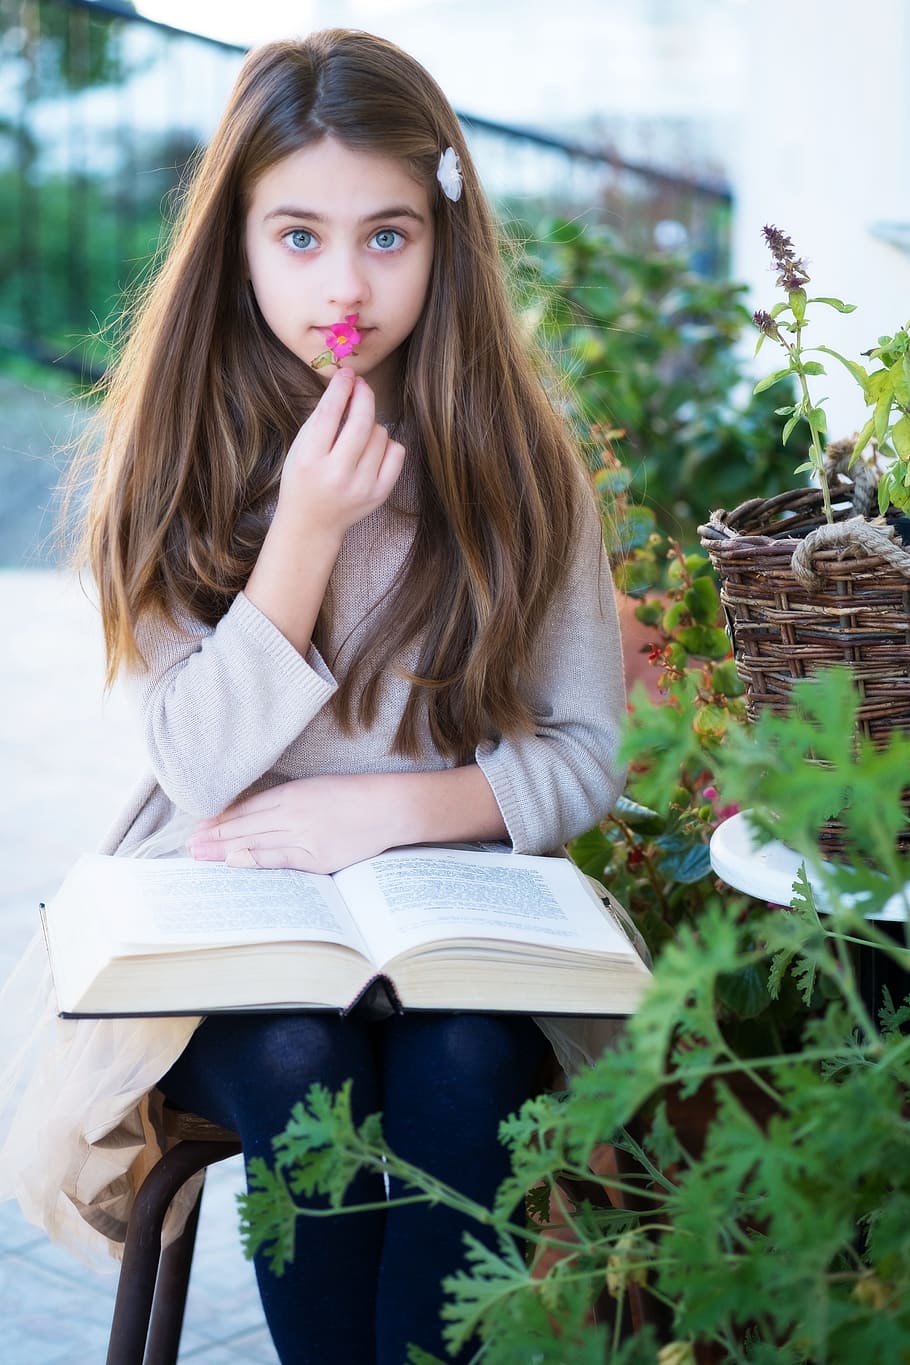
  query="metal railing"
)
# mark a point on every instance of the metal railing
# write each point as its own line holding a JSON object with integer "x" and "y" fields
{"x": 100, "y": 111}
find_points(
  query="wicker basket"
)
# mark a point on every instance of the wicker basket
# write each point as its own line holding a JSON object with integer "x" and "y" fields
{"x": 857, "y": 613}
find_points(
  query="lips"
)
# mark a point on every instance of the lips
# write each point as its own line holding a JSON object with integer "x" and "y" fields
{"x": 322, "y": 328}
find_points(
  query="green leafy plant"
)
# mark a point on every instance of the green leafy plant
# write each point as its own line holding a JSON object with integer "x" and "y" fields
{"x": 652, "y": 850}
{"x": 657, "y": 862}
{"x": 650, "y": 354}
{"x": 777, "y": 1228}
{"x": 886, "y": 389}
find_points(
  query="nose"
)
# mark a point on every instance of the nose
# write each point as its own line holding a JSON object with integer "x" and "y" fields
{"x": 346, "y": 283}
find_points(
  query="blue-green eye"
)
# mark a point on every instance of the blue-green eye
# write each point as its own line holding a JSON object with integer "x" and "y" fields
{"x": 300, "y": 239}
{"x": 387, "y": 239}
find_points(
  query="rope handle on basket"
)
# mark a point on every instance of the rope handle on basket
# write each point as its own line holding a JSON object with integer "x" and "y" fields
{"x": 873, "y": 537}
{"x": 858, "y": 533}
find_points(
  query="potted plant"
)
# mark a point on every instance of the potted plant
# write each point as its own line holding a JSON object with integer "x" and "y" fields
{"x": 782, "y": 1238}
{"x": 819, "y": 575}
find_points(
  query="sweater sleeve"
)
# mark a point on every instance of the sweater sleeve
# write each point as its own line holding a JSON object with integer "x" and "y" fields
{"x": 219, "y": 706}
{"x": 556, "y": 783}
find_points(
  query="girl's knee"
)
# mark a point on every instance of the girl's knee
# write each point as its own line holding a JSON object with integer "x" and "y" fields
{"x": 251, "y": 1064}
{"x": 476, "y": 1050}
{"x": 289, "y": 1053}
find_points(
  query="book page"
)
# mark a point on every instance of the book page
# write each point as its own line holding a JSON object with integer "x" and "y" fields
{"x": 405, "y": 898}
{"x": 154, "y": 903}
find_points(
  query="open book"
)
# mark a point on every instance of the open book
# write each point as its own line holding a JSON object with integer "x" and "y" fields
{"x": 430, "y": 927}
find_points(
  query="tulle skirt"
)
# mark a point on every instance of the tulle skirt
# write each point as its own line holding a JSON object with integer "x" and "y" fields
{"x": 80, "y": 1122}
{"x": 80, "y": 1118}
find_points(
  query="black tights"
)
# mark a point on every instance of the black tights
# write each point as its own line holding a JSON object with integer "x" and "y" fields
{"x": 362, "y": 1286}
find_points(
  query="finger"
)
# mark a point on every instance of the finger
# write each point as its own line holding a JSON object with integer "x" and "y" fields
{"x": 391, "y": 466}
{"x": 267, "y": 821}
{"x": 328, "y": 415}
{"x": 214, "y": 849}
{"x": 381, "y": 469}
{"x": 242, "y": 857}
{"x": 263, "y": 858}
{"x": 255, "y": 807}
{"x": 268, "y": 800}
{"x": 359, "y": 425}
{"x": 206, "y": 852}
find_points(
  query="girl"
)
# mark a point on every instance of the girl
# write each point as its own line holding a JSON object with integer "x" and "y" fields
{"x": 363, "y": 605}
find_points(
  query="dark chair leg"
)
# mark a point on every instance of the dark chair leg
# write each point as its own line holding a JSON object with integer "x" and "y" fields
{"x": 142, "y": 1252}
{"x": 171, "y": 1287}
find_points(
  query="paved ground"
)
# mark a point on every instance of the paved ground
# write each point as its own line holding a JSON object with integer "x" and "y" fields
{"x": 66, "y": 759}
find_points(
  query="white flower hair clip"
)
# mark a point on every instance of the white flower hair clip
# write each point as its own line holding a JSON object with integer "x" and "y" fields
{"x": 448, "y": 173}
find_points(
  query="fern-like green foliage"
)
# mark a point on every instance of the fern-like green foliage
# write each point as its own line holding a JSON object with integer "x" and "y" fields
{"x": 761, "y": 1201}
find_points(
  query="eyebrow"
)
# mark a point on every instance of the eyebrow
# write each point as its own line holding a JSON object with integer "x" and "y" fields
{"x": 394, "y": 211}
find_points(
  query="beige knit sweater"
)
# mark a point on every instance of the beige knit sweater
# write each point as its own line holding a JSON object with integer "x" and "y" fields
{"x": 236, "y": 708}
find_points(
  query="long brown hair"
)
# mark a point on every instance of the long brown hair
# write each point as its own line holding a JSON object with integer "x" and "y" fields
{"x": 205, "y": 402}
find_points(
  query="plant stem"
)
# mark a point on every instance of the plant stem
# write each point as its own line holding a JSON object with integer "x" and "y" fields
{"x": 647, "y": 864}
{"x": 818, "y": 455}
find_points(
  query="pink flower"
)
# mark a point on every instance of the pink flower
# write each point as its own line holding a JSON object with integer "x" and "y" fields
{"x": 341, "y": 339}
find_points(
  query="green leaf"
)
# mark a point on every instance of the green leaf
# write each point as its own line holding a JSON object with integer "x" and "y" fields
{"x": 812, "y": 367}
{"x": 591, "y": 852}
{"x": 835, "y": 303}
{"x": 649, "y": 613}
{"x": 635, "y": 575}
{"x": 702, "y": 602}
{"x": 704, "y": 642}
{"x": 416, "y": 1356}
{"x": 635, "y": 814}
{"x": 493, "y": 1280}
{"x": 882, "y": 415}
{"x": 635, "y": 527}
{"x": 268, "y": 1216}
{"x": 687, "y": 864}
{"x": 817, "y": 420}
{"x": 900, "y": 382}
{"x": 744, "y": 991}
{"x": 863, "y": 439}
{"x": 859, "y": 373}
{"x": 889, "y": 491}
{"x": 797, "y": 299}
{"x": 788, "y": 429}
{"x": 900, "y": 436}
{"x": 614, "y": 480}
{"x": 771, "y": 379}
{"x": 726, "y": 680}
{"x": 893, "y": 1017}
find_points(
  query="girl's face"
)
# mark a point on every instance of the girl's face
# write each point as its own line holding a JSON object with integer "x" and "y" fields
{"x": 332, "y": 232}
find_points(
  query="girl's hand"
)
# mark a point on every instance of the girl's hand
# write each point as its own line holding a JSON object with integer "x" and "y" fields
{"x": 316, "y": 824}
{"x": 340, "y": 467}
{"x": 342, "y": 464}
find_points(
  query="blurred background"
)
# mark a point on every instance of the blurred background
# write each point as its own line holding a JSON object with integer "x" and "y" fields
{"x": 683, "y": 125}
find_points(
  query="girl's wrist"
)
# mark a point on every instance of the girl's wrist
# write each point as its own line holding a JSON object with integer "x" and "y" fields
{"x": 290, "y": 576}
{"x": 445, "y": 806}
{"x": 298, "y": 533}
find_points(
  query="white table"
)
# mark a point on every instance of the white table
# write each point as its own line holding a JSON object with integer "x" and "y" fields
{"x": 768, "y": 871}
